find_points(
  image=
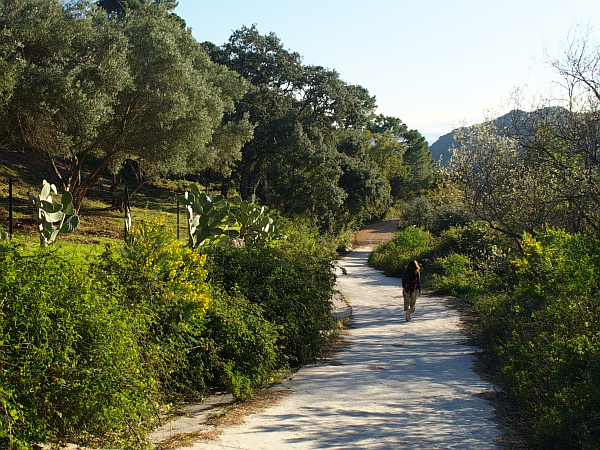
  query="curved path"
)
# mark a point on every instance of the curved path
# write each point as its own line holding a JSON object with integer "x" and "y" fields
{"x": 397, "y": 384}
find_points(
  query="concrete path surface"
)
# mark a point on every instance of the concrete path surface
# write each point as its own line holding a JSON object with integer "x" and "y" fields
{"x": 397, "y": 385}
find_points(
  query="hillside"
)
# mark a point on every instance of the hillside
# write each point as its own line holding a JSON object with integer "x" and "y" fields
{"x": 99, "y": 220}
{"x": 514, "y": 122}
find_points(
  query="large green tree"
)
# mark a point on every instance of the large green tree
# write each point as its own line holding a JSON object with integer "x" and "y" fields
{"x": 404, "y": 157}
{"x": 293, "y": 162}
{"x": 367, "y": 189}
{"x": 124, "y": 6}
{"x": 96, "y": 90}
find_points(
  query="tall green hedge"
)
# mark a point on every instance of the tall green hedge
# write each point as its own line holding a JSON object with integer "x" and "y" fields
{"x": 69, "y": 356}
{"x": 292, "y": 284}
{"x": 546, "y": 336}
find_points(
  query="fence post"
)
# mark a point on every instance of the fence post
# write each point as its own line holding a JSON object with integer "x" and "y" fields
{"x": 177, "y": 197}
{"x": 10, "y": 207}
{"x": 126, "y": 212}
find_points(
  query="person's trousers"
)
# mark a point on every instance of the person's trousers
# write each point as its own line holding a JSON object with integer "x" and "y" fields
{"x": 409, "y": 300}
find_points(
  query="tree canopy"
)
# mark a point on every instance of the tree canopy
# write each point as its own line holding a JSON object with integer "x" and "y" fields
{"x": 92, "y": 86}
{"x": 88, "y": 90}
{"x": 318, "y": 148}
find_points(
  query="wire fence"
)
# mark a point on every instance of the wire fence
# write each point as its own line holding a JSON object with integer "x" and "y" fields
{"x": 127, "y": 215}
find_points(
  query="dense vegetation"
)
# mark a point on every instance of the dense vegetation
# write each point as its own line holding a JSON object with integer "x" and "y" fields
{"x": 513, "y": 229}
{"x": 94, "y": 351}
{"x": 122, "y": 89}
{"x": 98, "y": 342}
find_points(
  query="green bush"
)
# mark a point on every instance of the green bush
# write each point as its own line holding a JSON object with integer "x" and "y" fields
{"x": 546, "y": 336}
{"x": 454, "y": 275}
{"x": 393, "y": 256}
{"x": 292, "y": 281}
{"x": 436, "y": 211}
{"x": 238, "y": 347}
{"x": 164, "y": 282}
{"x": 71, "y": 367}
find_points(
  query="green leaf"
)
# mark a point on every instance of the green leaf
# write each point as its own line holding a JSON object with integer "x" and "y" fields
{"x": 203, "y": 221}
{"x": 51, "y": 207}
{"x": 69, "y": 209}
{"x": 54, "y": 216}
{"x": 203, "y": 199}
{"x": 184, "y": 201}
{"x": 70, "y": 224}
{"x": 194, "y": 189}
{"x": 66, "y": 198}
{"x": 265, "y": 222}
{"x": 197, "y": 208}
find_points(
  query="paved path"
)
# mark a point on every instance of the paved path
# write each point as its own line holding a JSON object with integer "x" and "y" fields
{"x": 397, "y": 385}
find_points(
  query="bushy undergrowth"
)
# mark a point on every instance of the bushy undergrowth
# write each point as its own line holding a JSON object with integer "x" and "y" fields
{"x": 161, "y": 280}
{"x": 238, "y": 348}
{"x": 409, "y": 243}
{"x": 292, "y": 281}
{"x": 91, "y": 352}
{"x": 538, "y": 316}
{"x": 546, "y": 336}
{"x": 71, "y": 365}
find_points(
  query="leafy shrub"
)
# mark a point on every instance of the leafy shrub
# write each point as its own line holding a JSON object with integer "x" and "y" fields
{"x": 456, "y": 277}
{"x": 164, "y": 282}
{"x": 393, "y": 256}
{"x": 436, "y": 212}
{"x": 238, "y": 347}
{"x": 292, "y": 281}
{"x": 547, "y": 338}
{"x": 486, "y": 249}
{"x": 70, "y": 359}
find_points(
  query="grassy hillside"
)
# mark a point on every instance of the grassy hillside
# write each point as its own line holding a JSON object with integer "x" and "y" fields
{"x": 99, "y": 221}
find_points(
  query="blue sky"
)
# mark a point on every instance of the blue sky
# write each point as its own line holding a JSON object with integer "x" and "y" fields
{"x": 435, "y": 64}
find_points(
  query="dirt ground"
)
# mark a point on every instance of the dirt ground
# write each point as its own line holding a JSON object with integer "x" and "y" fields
{"x": 372, "y": 235}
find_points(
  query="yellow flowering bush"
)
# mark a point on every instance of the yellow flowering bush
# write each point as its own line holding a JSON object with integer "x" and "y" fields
{"x": 174, "y": 274}
{"x": 165, "y": 282}
{"x": 547, "y": 337}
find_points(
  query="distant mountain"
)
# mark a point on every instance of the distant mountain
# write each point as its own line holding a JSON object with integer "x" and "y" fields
{"x": 440, "y": 149}
{"x": 514, "y": 122}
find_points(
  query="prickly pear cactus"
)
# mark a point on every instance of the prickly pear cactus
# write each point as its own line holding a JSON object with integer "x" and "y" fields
{"x": 253, "y": 220}
{"x": 53, "y": 218}
{"x": 208, "y": 219}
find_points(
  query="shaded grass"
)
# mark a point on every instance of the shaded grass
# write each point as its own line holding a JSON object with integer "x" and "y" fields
{"x": 100, "y": 224}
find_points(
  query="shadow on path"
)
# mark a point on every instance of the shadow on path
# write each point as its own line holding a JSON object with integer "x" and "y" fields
{"x": 397, "y": 384}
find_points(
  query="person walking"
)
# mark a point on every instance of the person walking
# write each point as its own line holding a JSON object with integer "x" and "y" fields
{"x": 411, "y": 286}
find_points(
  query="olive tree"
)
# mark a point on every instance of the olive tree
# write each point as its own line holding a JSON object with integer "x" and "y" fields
{"x": 97, "y": 89}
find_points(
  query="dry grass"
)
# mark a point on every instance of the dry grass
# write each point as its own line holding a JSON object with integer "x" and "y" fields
{"x": 224, "y": 416}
